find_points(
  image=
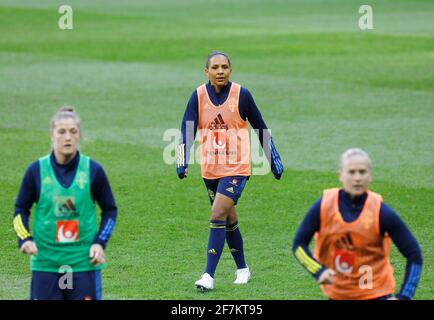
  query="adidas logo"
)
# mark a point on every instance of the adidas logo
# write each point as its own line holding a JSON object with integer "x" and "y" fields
{"x": 66, "y": 207}
{"x": 212, "y": 251}
{"x": 231, "y": 189}
{"x": 218, "y": 123}
{"x": 233, "y": 250}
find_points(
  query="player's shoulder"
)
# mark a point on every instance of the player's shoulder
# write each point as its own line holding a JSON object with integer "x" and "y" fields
{"x": 245, "y": 95}
{"x": 193, "y": 98}
{"x": 388, "y": 216}
{"x": 95, "y": 165}
{"x": 316, "y": 206}
{"x": 386, "y": 209}
{"x": 32, "y": 172}
{"x": 244, "y": 90}
{"x": 33, "y": 168}
{"x": 97, "y": 172}
{"x": 33, "y": 165}
{"x": 199, "y": 86}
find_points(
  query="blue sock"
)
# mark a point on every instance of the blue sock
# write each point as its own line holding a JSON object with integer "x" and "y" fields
{"x": 216, "y": 243}
{"x": 235, "y": 243}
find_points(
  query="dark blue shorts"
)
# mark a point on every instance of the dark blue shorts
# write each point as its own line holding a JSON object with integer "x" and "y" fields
{"x": 56, "y": 286}
{"x": 231, "y": 187}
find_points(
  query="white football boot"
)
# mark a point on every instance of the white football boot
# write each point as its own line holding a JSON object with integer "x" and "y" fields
{"x": 243, "y": 276}
{"x": 205, "y": 283}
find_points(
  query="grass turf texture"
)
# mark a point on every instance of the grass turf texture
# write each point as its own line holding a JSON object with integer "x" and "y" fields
{"x": 322, "y": 86}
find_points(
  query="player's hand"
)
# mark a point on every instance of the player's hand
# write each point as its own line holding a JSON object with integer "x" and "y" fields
{"x": 182, "y": 172}
{"x": 327, "y": 276}
{"x": 29, "y": 248}
{"x": 96, "y": 253}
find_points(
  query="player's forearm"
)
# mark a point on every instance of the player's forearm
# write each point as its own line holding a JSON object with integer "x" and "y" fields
{"x": 303, "y": 237}
{"x": 21, "y": 225}
{"x": 271, "y": 154}
{"x": 189, "y": 126}
{"x": 412, "y": 277}
{"x": 407, "y": 244}
{"x": 413, "y": 272}
{"x": 188, "y": 134}
{"x": 108, "y": 221}
{"x": 274, "y": 155}
{"x": 103, "y": 195}
{"x": 305, "y": 258}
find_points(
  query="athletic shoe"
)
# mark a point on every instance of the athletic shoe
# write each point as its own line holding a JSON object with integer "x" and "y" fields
{"x": 243, "y": 276}
{"x": 205, "y": 283}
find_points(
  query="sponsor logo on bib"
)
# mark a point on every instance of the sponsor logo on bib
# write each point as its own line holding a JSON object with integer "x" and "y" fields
{"x": 67, "y": 231}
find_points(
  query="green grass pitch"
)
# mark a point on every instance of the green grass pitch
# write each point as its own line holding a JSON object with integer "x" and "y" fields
{"x": 129, "y": 68}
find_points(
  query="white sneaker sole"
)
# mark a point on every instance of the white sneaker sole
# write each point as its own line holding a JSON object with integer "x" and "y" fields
{"x": 201, "y": 288}
{"x": 239, "y": 282}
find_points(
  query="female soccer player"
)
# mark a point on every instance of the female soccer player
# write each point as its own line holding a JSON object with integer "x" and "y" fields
{"x": 67, "y": 252}
{"x": 220, "y": 110}
{"x": 353, "y": 229}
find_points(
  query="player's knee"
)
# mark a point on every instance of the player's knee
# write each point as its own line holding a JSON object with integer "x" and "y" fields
{"x": 219, "y": 213}
{"x": 231, "y": 220}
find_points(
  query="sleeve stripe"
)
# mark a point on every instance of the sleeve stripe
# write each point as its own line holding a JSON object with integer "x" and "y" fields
{"x": 108, "y": 229}
{"x": 275, "y": 156}
{"x": 413, "y": 279}
{"x": 181, "y": 155}
{"x": 305, "y": 262}
{"x": 311, "y": 265}
{"x": 277, "y": 159}
{"x": 177, "y": 159}
{"x": 19, "y": 228}
{"x": 21, "y": 225}
{"x": 278, "y": 163}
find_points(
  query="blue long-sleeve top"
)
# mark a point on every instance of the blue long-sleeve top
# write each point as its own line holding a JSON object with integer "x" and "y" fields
{"x": 246, "y": 106}
{"x": 65, "y": 173}
{"x": 390, "y": 223}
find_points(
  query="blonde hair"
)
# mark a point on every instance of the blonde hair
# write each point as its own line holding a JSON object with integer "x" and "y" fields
{"x": 352, "y": 153}
{"x": 65, "y": 112}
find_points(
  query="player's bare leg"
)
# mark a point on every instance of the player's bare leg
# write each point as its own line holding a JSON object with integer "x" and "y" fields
{"x": 222, "y": 207}
{"x": 232, "y": 216}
